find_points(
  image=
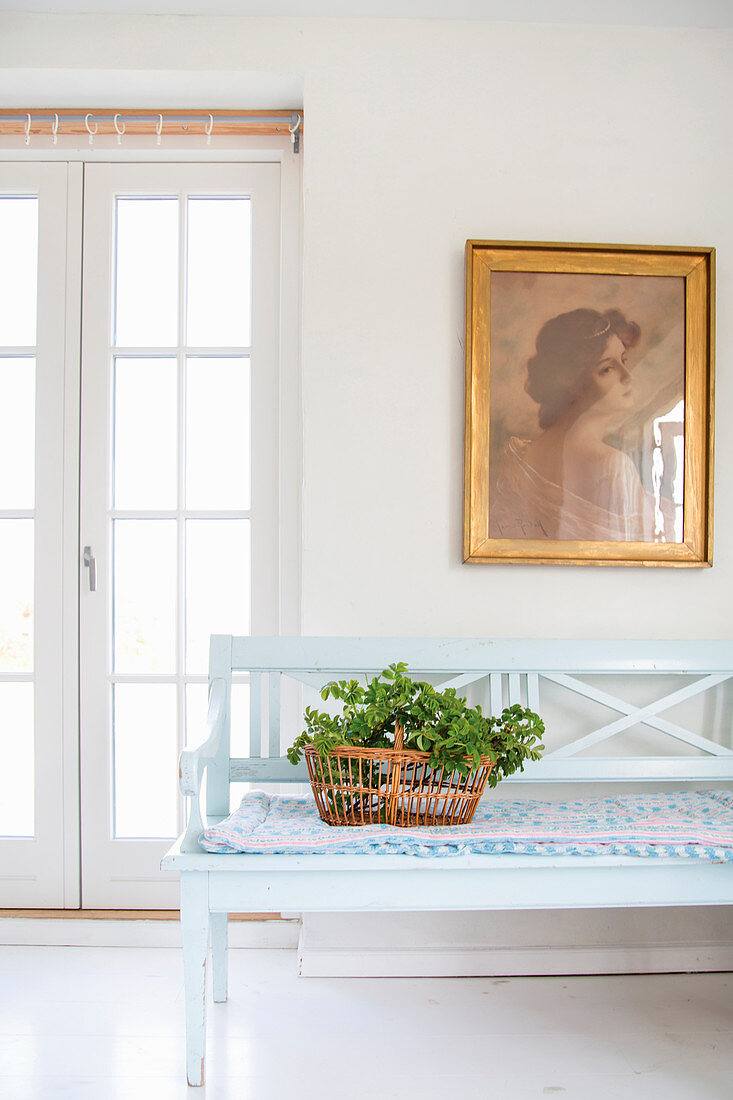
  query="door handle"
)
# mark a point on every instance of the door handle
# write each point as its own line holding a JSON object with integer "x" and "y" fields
{"x": 90, "y": 562}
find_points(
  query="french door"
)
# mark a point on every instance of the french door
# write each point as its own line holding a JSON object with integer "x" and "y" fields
{"x": 38, "y": 824}
{"x": 177, "y": 532}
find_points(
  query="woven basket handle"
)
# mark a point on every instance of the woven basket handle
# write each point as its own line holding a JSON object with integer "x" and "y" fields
{"x": 399, "y": 737}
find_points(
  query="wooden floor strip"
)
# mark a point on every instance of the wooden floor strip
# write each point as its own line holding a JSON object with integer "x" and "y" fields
{"x": 120, "y": 914}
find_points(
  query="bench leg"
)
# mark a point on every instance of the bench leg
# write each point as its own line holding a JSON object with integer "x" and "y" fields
{"x": 219, "y": 930}
{"x": 195, "y": 923}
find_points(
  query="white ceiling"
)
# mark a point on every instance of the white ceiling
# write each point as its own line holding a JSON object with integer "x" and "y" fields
{"x": 680, "y": 13}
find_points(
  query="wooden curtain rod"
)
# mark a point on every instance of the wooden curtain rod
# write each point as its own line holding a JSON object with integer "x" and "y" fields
{"x": 65, "y": 121}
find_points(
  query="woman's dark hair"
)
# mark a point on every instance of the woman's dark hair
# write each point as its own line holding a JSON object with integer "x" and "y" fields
{"x": 567, "y": 345}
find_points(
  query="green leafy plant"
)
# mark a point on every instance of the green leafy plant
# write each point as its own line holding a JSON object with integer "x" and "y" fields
{"x": 440, "y": 723}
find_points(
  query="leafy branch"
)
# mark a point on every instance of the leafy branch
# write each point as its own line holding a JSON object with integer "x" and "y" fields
{"x": 440, "y": 723}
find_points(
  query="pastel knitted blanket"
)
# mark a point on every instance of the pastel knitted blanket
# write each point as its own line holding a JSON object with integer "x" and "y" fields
{"x": 698, "y": 825}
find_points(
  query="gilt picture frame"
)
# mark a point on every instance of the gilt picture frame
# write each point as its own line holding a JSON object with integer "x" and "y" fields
{"x": 588, "y": 404}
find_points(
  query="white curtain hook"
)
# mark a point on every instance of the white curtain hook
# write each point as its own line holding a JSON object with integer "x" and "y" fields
{"x": 158, "y": 129}
{"x": 120, "y": 128}
{"x": 208, "y": 128}
{"x": 55, "y": 128}
{"x": 89, "y": 128}
{"x": 294, "y": 135}
{"x": 27, "y": 129}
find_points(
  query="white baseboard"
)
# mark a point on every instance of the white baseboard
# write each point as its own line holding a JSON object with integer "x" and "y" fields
{"x": 435, "y": 961}
{"x": 47, "y": 932}
{"x": 514, "y": 962}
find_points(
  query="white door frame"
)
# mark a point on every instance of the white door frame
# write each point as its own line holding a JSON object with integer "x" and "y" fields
{"x": 124, "y": 873}
{"x": 43, "y": 871}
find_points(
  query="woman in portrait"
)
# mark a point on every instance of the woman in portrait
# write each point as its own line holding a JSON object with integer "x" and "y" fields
{"x": 568, "y": 482}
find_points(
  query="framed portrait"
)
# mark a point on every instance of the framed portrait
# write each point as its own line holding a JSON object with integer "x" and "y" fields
{"x": 589, "y": 404}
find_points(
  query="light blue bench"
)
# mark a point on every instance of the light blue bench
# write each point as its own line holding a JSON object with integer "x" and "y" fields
{"x": 529, "y": 671}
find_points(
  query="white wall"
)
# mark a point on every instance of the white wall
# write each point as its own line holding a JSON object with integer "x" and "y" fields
{"x": 418, "y": 136}
{"x": 500, "y": 132}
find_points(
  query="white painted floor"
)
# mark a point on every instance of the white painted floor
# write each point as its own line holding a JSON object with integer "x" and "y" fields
{"x": 107, "y": 1023}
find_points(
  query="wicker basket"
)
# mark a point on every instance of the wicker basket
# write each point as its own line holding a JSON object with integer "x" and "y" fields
{"x": 355, "y": 786}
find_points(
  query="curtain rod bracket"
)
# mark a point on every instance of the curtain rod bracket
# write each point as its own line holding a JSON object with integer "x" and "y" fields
{"x": 295, "y": 132}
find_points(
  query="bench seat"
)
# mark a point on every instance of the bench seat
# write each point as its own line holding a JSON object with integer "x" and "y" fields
{"x": 327, "y": 884}
{"x": 213, "y": 885}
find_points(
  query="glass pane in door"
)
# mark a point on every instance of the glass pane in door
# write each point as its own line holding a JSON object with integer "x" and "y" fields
{"x": 145, "y": 433}
{"x": 145, "y": 595}
{"x": 145, "y": 756}
{"x": 146, "y": 290}
{"x": 16, "y": 595}
{"x": 17, "y": 431}
{"x": 18, "y": 270}
{"x": 219, "y": 272}
{"x": 17, "y": 748}
{"x": 217, "y": 584}
{"x": 218, "y": 474}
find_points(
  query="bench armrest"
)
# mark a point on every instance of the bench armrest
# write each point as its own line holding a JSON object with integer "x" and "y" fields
{"x": 193, "y": 762}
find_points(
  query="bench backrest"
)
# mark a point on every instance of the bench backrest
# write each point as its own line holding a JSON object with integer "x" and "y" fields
{"x": 576, "y": 686}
